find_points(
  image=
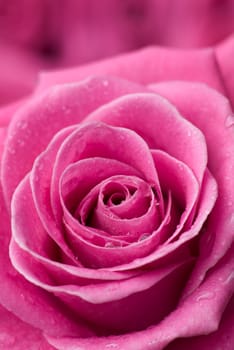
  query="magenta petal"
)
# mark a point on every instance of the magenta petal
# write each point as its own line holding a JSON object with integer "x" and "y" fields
{"x": 25, "y": 300}
{"x": 96, "y": 303}
{"x": 29, "y": 228}
{"x": 199, "y": 314}
{"x": 175, "y": 176}
{"x": 162, "y": 125}
{"x": 17, "y": 335}
{"x": 40, "y": 181}
{"x": 205, "y": 107}
{"x": 222, "y": 338}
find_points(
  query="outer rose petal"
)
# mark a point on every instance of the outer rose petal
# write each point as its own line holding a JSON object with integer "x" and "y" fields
{"x": 223, "y": 338}
{"x": 24, "y": 299}
{"x": 199, "y": 314}
{"x": 162, "y": 125}
{"x": 205, "y": 107}
{"x": 162, "y": 65}
{"x": 17, "y": 335}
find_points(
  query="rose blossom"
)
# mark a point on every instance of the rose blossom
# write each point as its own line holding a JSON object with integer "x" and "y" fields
{"x": 117, "y": 205}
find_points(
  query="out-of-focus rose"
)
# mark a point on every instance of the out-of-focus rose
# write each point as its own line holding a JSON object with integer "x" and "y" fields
{"x": 117, "y": 206}
{"x": 59, "y": 33}
{"x": 131, "y": 24}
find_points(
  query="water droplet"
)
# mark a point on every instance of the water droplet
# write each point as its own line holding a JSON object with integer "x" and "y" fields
{"x": 11, "y": 150}
{"x": 22, "y": 124}
{"x": 205, "y": 296}
{"x": 181, "y": 167}
{"x": 229, "y": 278}
{"x": 7, "y": 339}
{"x": 229, "y": 121}
{"x": 105, "y": 82}
{"x": 21, "y": 142}
{"x": 40, "y": 166}
{"x": 22, "y": 295}
{"x": 109, "y": 245}
{"x": 112, "y": 346}
{"x": 66, "y": 109}
{"x": 152, "y": 342}
{"x": 230, "y": 203}
{"x": 143, "y": 237}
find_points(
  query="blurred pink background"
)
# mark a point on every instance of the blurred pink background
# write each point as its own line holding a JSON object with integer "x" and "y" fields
{"x": 49, "y": 34}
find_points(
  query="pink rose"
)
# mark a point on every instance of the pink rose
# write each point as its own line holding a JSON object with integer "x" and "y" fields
{"x": 117, "y": 206}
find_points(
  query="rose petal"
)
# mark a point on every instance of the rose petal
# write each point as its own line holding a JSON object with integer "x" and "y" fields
{"x": 96, "y": 304}
{"x": 40, "y": 192}
{"x": 25, "y": 300}
{"x": 222, "y": 338}
{"x": 179, "y": 179}
{"x": 17, "y": 335}
{"x": 205, "y": 307}
{"x": 162, "y": 65}
{"x": 205, "y": 107}
{"x": 162, "y": 125}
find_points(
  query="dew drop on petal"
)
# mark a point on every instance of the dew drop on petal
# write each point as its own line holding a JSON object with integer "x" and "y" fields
{"x": 111, "y": 346}
{"x": 189, "y": 133}
{"x": 229, "y": 278}
{"x": 180, "y": 167}
{"x": 22, "y": 124}
{"x": 11, "y": 150}
{"x": 232, "y": 218}
{"x": 229, "y": 121}
{"x": 105, "y": 82}
{"x": 109, "y": 245}
{"x": 143, "y": 237}
{"x": 153, "y": 342}
{"x": 21, "y": 142}
{"x": 205, "y": 296}
{"x": 6, "y": 340}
